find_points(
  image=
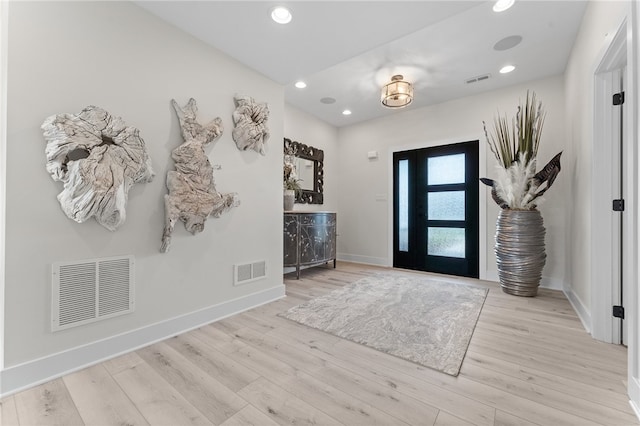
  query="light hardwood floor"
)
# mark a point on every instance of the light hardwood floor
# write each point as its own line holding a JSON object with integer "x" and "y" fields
{"x": 529, "y": 362}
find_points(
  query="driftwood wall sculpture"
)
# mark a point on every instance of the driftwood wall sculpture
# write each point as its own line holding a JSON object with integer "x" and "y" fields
{"x": 192, "y": 193}
{"x": 250, "y": 119}
{"x": 98, "y": 158}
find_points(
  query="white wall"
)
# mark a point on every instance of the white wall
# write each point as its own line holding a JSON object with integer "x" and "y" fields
{"x": 64, "y": 56}
{"x": 307, "y": 129}
{"x": 4, "y": 31}
{"x": 599, "y": 24}
{"x": 365, "y": 191}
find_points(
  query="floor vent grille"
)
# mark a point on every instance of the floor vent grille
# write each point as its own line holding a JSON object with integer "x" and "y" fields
{"x": 249, "y": 272}
{"x": 91, "y": 290}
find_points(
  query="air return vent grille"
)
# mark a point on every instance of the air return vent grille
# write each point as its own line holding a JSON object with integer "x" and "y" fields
{"x": 249, "y": 272}
{"x": 90, "y": 290}
{"x": 478, "y": 78}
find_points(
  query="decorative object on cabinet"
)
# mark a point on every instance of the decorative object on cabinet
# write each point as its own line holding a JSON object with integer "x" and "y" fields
{"x": 98, "y": 158}
{"x": 250, "y": 119}
{"x": 309, "y": 239}
{"x": 308, "y": 163}
{"x": 289, "y": 198}
{"x": 291, "y": 183}
{"x": 520, "y": 249}
{"x": 192, "y": 192}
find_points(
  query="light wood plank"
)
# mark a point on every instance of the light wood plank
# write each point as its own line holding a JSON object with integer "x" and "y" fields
{"x": 506, "y": 419}
{"x": 209, "y": 396}
{"x": 446, "y": 419}
{"x": 430, "y": 386}
{"x": 373, "y": 369}
{"x": 283, "y": 407}
{"x": 339, "y": 404}
{"x": 100, "y": 400}
{"x": 400, "y": 406}
{"x": 123, "y": 362}
{"x": 8, "y": 412}
{"x": 289, "y": 354}
{"x": 403, "y": 407}
{"x": 249, "y": 416}
{"x": 551, "y": 398}
{"x": 222, "y": 367}
{"x": 547, "y": 362}
{"x": 47, "y": 404}
{"x": 157, "y": 400}
{"x": 550, "y": 381}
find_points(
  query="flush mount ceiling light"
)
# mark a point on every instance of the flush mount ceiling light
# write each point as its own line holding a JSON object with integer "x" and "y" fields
{"x": 502, "y": 5}
{"x": 507, "y": 69}
{"x": 300, "y": 84}
{"x": 281, "y": 15}
{"x": 346, "y": 112}
{"x": 397, "y": 94}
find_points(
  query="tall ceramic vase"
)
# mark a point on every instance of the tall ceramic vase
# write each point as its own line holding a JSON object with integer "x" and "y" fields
{"x": 289, "y": 199}
{"x": 520, "y": 251}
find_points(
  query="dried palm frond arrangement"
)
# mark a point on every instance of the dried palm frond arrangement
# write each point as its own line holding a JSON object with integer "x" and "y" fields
{"x": 515, "y": 145}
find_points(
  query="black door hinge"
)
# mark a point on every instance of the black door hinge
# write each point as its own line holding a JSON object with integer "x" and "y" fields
{"x": 618, "y": 205}
{"x": 618, "y": 312}
{"x": 618, "y": 98}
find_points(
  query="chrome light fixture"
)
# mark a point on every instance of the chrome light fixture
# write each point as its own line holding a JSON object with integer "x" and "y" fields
{"x": 398, "y": 93}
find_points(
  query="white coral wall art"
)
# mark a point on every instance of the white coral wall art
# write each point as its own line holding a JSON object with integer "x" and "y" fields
{"x": 250, "y": 119}
{"x": 98, "y": 158}
{"x": 192, "y": 192}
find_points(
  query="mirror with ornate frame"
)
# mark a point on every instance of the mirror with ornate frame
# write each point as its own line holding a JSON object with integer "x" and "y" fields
{"x": 309, "y": 163}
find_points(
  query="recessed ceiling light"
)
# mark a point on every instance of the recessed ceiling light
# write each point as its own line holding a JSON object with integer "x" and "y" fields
{"x": 300, "y": 84}
{"x": 281, "y": 15}
{"x": 346, "y": 112}
{"x": 328, "y": 101}
{"x": 507, "y": 69}
{"x": 502, "y": 5}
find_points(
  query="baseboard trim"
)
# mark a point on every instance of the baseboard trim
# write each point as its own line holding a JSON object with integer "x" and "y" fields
{"x": 366, "y": 260}
{"x": 635, "y": 409}
{"x": 634, "y": 393}
{"x": 578, "y": 306}
{"x": 28, "y": 374}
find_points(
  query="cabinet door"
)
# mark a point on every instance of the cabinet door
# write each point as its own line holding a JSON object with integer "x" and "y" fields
{"x": 290, "y": 240}
{"x": 330, "y": 251}
{"x": 313, "y": 237}
{"x": 330, "y": 244}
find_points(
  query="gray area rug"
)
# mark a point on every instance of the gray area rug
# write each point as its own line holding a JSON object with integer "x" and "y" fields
{"x": 416, "y": 318}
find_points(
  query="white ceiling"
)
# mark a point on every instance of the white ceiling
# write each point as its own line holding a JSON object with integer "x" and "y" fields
{"x": 348, "y": 49}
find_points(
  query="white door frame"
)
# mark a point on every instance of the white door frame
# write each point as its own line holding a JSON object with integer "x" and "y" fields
{"x": 633, "y": 325}
{"x": 622, "y": 49}
{"x": 604, "y": 221}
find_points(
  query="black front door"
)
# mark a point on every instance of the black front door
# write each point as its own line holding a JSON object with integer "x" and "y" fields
{"x": 436, "y": 209}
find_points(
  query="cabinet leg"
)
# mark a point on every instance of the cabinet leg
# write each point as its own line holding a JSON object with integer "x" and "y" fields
{"x": 297, "y": 272}
{"x": 334, "y": 264}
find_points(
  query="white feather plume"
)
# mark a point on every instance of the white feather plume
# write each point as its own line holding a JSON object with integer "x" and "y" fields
{"x": 516, "y": 186}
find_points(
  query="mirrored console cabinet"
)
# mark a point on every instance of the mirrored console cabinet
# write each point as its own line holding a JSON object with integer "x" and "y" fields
{"x": 309, "y": 239}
